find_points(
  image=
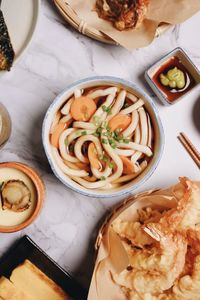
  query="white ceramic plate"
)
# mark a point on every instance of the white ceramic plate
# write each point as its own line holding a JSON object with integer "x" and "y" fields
{"x": 21, "y": 17}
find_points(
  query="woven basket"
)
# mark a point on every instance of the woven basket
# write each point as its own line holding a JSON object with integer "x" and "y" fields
{"x": 72, "y": 18}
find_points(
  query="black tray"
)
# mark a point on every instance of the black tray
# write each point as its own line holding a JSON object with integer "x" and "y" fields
{"x": 25, "y": 248}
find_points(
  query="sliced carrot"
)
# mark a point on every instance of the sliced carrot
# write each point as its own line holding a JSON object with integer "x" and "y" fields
{"x": 93, "y": 156}
{"x": 120, "y": 122}
{"x": 128, "y": 167}
{"x": 90, "y": 178}
{"x": 83, "y": 108}
{"x": 60, "y": 127}
{"x": 83, "y": 166}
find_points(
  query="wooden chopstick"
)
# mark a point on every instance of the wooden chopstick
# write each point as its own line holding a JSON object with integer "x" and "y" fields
{"x": 191, "y": 149}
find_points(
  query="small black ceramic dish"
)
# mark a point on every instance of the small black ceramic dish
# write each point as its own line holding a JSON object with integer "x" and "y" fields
{"x": 24, "y": 249}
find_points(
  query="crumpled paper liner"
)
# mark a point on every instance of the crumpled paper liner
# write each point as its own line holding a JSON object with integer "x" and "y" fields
{"x": 167, "y": 11}
{"x": 111, "y": 256}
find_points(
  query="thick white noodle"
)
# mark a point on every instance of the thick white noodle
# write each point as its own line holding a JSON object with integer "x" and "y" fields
{"x": 117, "y": 160}
{"x": 65, "y": 118}
{"x": 66, "y": 108}
{"x": 84, "y": 125}
{"x": 144, "y": 133}
{"x": 102, "y": 93}
{"x": 150, "y": 133}
{"x": 77, "y": 93}
{"x": 54, "y": 122}
{"x": 138, "y": 147}
{"x": 77, "y": 133}
{"x": 126, "y": 178}
{"x": 89, "y": 185}
{"x": 137, "y": 134}
{"x": 79, "y": 143}
{"x": 99, "y": 174}
{"x": 128, "y": 152}
{"x": 118, "y": 105}
{"x": 134, "y": 122}
{"x": 108, "y": 102}
{"x": 132, "y": 107}
{"x": 143, "y": 126}
{"x": 63, "y": 148}
{"x": 71, "y": 165}
{"x": 64, "y": 168}
{"x": 132, "y": 97}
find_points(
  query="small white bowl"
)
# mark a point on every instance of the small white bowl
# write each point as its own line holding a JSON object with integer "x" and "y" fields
{"x": 188, "y": 64}
{"x": 150, "y": 107}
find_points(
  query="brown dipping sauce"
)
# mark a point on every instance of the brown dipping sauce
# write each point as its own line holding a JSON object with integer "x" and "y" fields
{"x": 173, "y": 94}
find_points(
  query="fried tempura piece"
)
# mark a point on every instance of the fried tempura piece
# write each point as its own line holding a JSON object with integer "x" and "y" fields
{"x": 125, "y": 14}
{"x": 155, "y": 270}
{"x": 188, "y": 287}
{"x": 132, "y": 231}
{"x": 187, "y": 213}
{"x": 148, "y": 214}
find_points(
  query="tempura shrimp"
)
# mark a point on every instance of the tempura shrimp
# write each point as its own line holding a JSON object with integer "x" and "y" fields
{"x": 187, "y": 213}
{"x": 133, "y": 232}
{"x": 155, "y": 270}
{"x": 188, "y": 286}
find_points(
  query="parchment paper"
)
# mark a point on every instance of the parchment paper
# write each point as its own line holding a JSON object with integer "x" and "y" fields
{"x": 168, "y": 11}
{"x": 111, "y": 255}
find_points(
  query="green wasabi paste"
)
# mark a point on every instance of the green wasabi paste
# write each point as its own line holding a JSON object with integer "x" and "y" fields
{"x": 174, "y": 78}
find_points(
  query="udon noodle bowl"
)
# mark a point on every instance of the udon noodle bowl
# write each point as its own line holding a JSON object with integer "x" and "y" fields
{"x": 102, "y": 137}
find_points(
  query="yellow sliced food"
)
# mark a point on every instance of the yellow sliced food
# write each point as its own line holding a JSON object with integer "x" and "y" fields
{"x": 8, "y": 291}
{"x": 28, "y": 278}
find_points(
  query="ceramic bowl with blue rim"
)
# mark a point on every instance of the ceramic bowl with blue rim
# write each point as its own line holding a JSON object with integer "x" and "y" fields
{"x": 158, "y": 135}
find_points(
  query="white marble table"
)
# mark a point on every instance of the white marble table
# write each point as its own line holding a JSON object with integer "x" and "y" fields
{"x": 58, "y": 55}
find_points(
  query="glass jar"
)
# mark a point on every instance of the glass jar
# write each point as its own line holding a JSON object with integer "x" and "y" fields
{"x": 5, "y": 125}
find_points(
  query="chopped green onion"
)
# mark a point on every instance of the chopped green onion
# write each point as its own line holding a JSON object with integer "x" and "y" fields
{"x": 71, "y": 148}
{"x": 96, "y": 120}
{"x": 66, "y": 142}
{"x": 104, "y": 124}
{"x": 107, "y": 109}
{"x": 113, "y": 145}
{"x": 126, "y": 105}
{"x": 126, "y": 141}
{"x": 104, "y": 141}
{"x": 104, "y": 108}
{"x": 105, "y": 158}
{"x": 102, "y": 178}
{"x": 110, "y": 141}
{"x": 99, "y": 130}
{"x": 111, "y": 165}
{"x": 83, "y": 133}
{"x": 96, "y": 134}
{"x": 106, "y": 134}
